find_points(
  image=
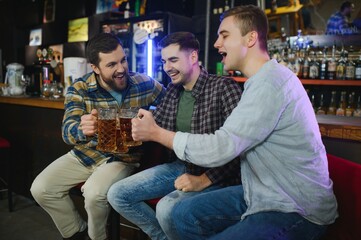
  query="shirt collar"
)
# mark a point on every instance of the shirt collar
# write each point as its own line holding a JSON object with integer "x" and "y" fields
{"x": 200, "y": 83}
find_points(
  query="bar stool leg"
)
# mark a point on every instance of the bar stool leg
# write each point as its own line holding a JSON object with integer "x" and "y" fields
{"x": 114, "y": 225}
{"x": 5, "y": 151}
{"x": 10, "y": 192}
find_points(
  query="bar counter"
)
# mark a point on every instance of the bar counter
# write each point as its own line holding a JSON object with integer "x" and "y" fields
{"x": 33, "y": 127}
{"x": 34, "y": 101}
{"x": 348, "y": 128}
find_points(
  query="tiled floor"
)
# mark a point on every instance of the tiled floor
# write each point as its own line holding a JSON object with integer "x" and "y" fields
{"x": 27, "y": 222}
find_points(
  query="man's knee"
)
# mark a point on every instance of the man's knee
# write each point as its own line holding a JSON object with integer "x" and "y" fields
{"x": 93, "y": 197}
{"x": 120, "y": 193}
{"x": 37, "y": 189}
{"x": 115, "y": 195}
{"x": 165, "y": 208}
{"x": 112, "y": 195}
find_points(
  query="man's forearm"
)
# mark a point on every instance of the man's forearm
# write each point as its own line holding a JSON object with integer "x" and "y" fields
{"x": 164, "y": 137}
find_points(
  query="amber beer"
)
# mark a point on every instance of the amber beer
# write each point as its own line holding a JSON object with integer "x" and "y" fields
{"x": 125, "y": 118}
{"x": 107, "y": 129}
{"x": 121, "y": 148}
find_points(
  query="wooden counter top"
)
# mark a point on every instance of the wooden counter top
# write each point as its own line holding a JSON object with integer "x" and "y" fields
{"x": 34, "y": 101}
{"x": 348, "y": 128}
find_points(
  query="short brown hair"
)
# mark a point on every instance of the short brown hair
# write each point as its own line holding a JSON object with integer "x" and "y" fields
{"x": 101, "y": 43}
{"x": 185, "y": 40}
{"x": 250, "y": 18}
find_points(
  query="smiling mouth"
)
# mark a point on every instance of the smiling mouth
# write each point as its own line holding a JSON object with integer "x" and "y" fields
{"x": 223, "y": 54}
{"x": 120, "y": 76}
{"x": 172, "y": 74}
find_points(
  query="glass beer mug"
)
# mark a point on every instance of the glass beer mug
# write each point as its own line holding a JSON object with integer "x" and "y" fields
{"x": 107, "y": 123}
{"x": 125, "y": 124}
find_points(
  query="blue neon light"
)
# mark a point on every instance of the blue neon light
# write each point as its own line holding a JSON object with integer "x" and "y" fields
{"x": 150, "y": 58}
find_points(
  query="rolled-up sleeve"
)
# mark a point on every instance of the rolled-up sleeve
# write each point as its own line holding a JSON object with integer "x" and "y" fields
{"x": 179, "y": 144}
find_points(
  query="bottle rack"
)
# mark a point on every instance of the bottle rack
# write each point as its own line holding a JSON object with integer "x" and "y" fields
{"x": 355, "y": 83}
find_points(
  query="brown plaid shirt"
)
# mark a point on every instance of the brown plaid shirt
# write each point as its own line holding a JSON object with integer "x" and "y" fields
{"x": 215, "y": 99}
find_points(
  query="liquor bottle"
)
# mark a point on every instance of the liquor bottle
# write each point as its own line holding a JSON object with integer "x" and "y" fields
{"x": 314, "y": 66}
{"x": 318, "y": 49}
{"x": 350, "y": 105}
{"x": 321, "y": 110}
{"x": 300, "y": 61}
{"x": 46, "y": 82}
{"x": 276, "y": 54}
{"x": 291, "y": 61}
{"x": 313, "y": 102}
{"x": 283, "y": 35}
{"x": 357, "y": 112}
{"x": 306, "y": 66}
{"x": 333, "y": 106}
{"x": 323, "y": 65}
{"x": 341, "y": 67}
{"x": 350, "y": 68}
{"x": 297, "y": 63}
{"x": 341, "y": 110}
{"x": 331, "y": 67}
{"x": 284, "y": 57}
{"x": 358, "y": 69}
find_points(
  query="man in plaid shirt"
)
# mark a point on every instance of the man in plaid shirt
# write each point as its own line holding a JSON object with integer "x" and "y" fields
{"x": 339, "y": 24}
{"x": 195, "y": 102}
{"x": 109, "y": 85}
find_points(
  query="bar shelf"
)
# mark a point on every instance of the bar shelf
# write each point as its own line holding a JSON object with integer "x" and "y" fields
{"x": 356, "y": 83}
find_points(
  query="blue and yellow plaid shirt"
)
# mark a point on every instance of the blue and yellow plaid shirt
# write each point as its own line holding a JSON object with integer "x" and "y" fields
{"x": 86, "y": 94}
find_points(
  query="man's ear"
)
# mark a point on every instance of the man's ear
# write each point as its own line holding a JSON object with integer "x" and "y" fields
{"x": 95, "y": 68}
{"x": 252, "y": 38}
{"x": 194, "y": 56}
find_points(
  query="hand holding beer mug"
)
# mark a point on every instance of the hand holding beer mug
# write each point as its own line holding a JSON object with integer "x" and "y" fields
{"x": 125, "y": 117}
{"x": 107, "y": 129}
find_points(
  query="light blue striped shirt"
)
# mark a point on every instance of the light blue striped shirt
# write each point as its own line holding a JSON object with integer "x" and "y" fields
{"x": 283, "y": 160}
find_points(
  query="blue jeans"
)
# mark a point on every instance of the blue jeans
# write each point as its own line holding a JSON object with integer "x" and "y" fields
{"x": 128, "y": 195}
{"x": 217, "y": 215}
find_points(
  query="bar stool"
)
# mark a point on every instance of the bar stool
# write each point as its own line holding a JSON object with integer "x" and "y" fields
{"x": 5, "y": 155}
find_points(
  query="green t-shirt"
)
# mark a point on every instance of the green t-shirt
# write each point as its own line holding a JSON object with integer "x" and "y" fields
{"x": 185, "y": 111}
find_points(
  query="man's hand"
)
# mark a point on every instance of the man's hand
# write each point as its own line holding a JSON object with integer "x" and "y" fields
{"x": 89, "y": 123}
{"x": 191, "y": 183}
{"x": 144, "y": 126}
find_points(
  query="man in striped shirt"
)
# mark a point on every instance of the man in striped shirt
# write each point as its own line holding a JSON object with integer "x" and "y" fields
{"x": 109, "y": 85}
